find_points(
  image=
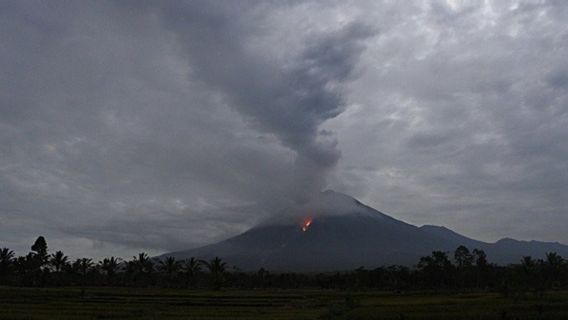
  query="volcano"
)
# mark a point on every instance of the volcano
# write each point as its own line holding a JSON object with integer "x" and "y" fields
{"x": 336, "y": 232}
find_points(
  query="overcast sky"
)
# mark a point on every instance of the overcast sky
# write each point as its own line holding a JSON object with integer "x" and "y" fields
{"x": 134, "y": 126}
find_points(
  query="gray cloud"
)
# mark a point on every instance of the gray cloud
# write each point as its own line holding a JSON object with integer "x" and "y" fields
{"x": 131, "y": 126}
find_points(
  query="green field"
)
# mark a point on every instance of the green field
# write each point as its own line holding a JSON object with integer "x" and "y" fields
{"x": 125, "y": 303}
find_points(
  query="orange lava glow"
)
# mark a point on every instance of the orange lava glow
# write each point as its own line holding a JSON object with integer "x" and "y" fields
{"x": 306, "y": 224}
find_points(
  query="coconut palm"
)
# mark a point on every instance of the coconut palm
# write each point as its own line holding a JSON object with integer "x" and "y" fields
{"x": 169, "y": 266}
{"x": 6, "y": 260}
{"x": 553, "y": 265}
{"x": 217, "y": 269}
{"x": 143, "y": 263}
{"x": 191, "y": 268}
{"x": 215, "y": 266}
{"x": 109, "y": 266}
{"x": 58, "y": 261}
{"x": 82, "y": 266}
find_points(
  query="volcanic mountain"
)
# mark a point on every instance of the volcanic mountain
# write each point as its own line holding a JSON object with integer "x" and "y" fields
{"x": 337, "y": 232}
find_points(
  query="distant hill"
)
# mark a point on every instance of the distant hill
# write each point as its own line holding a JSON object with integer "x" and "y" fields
{"x": 341, "y": 233}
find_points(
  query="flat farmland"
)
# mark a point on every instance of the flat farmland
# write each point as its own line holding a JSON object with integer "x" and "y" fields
{"x": 151, "y": 303}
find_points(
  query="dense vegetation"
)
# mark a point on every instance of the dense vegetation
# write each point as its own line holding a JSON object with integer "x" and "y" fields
{"x": 464, "y": 270}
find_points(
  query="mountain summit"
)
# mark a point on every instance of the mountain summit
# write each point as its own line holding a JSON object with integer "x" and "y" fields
{"x": 337, "y": 232}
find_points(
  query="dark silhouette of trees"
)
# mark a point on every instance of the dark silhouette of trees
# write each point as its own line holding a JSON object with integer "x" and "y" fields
{"x": 82, "y": 266}
{"x": 436, "y": 269}
{"x": 58, "y": 261}
{"x": 466, "y": 270}
{"x": 170, "y": 267}
{"x": 109, "y": 266}
{"x": 143, "y": 264}
{"x": 217, "y": 270}
{"x": 481, "y": 268}
{"x": 464, "y": 265}
{"x": 553, "y": 268}
{"x": 6, "y": 261}
{"x": 191, "y": 268}
{"x": 463, "y": 258}
{"x": 40, "y": 249}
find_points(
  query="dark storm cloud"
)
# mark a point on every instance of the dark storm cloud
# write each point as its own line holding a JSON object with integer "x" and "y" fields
{"x": 155, "y": 126}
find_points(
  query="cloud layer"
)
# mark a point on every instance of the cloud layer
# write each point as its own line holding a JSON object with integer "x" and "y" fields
{"x": 131, "y": 126}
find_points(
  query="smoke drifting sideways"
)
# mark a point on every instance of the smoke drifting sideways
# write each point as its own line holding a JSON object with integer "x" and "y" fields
{"x": 288, "y": 100}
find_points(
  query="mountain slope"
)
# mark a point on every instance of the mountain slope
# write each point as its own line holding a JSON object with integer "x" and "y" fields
{"x": 345, "y": 234}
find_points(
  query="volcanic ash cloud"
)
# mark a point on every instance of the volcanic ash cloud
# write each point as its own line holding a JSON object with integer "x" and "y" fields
{"x": 289, "y": 100}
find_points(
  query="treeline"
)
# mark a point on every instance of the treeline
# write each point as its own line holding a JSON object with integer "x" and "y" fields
{"x": 462, "y": 270}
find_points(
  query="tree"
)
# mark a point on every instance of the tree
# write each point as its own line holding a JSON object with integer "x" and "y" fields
{"x": 463, "y": 257}
{"x": 464, "y": 263}
{"x": 481, "y": 266}
{"x": 143, "y": 263}
{"x": 58, "y": 261}
{"x": 82, "y": 266}
{"x": 6, "y": 261}
{"x": 40, "y": 246}
{"x": 40, "y": 252}
{"x": 191, "y": 268}
{"x": 436, "y": 268}
{"x": 22, "y": 264}
{"x": 109, "y": 266}
{"x": 553, "y": 265}
{"x": 480, "y": 258}
{"x": 169, "y": 266}
{"x": 528, "y": 263}
{"x": 216, "y": 268}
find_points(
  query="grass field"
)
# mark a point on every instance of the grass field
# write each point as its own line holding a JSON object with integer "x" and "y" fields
{"x": 124, "y": 303}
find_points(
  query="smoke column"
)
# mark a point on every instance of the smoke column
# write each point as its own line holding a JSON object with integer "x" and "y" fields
{"x": 289, "y": 101}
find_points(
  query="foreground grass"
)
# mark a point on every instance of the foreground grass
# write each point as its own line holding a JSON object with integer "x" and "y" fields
{"x": 130, "y": 303}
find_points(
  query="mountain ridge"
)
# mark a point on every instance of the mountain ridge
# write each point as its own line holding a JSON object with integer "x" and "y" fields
{"x": 343, "y": 234}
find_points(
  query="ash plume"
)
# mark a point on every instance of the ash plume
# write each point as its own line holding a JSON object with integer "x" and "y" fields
{"x": 289, "y": 99}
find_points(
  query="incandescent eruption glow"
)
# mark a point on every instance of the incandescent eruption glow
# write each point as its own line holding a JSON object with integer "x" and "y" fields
{"x": 306, "y": 224}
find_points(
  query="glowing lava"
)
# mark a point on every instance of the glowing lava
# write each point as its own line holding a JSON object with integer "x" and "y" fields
{"x": 306, "y": 224}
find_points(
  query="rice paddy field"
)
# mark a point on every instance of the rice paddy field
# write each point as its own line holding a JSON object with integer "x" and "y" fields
{"x": 130, "y": 303}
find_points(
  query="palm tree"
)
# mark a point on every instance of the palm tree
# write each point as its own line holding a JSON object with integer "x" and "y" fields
{"x": 217, "y": 269}
{"x": 553, "y": 265}
{"x": 527, "y": 263}
{"x": 58, "y": 261}
{"x": 554, "y": 259}
{"x": 143, "y": 263}
{"x": 109, "y": 266}
{"x": 169, "y": 266}
{"x": 6, "y": 260}
{"x": 215, "y": 266}
{"x": 82, "y": 266}
{"x": 142, "y": 268}
{"x": 22, "y": 264}
{"x": 191, "y": 268}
